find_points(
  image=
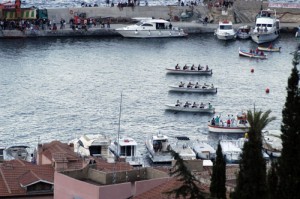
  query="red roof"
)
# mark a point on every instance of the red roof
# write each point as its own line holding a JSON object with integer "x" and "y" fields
{"x": 17, "y": 173}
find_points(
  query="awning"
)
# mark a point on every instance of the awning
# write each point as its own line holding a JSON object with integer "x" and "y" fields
{"x": 25, "y": 14}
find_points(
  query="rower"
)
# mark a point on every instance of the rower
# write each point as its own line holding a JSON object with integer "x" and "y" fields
{"x": 181, "y": 84}
{"x": 207, "y": 67}
{"x": 193, "y": 67}
{"x": 189, "y": 85}
{"x": 177, "y": 67}
{"x": 177, "y": 103}
{"x": 194, "y": 105}
{"x": 185, "y": 67}
{"x": 199, "y": 67}
{"x": 187, "y": 104}
{"x": 197, "y": 85}
{"x": 201, "y": 105}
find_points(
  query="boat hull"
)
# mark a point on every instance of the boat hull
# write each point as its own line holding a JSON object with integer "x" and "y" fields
{"x": 192, "y": 90}
{"x": 269, "y": 49}
{"x": 225, "y": 36}
{"x": 233, "y": 130}
{"x": 151, "y": 33}
{"x": 251, "y": 55}
{"x": 189, "y": 72}
{"x": 264, "y": 38}
{"x": 189, "y": 109}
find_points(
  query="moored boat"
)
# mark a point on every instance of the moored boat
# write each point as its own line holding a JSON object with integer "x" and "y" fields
{"x": 243, "y": 32}
{"x": 15, "y": 152}
{"x": 194, "y": 88}
{"x": 96, "y": 145}
{"x": 231, "y": 151}
{"x": 151, "y": 28}
{"x": 158, "y": 148}
{"x": 126, "y": 148}
{"x": 252, "y": 54}
{"x": 190, "y": 70}
{"x": 183, "y": 148}
{"x": 266, "y": 27}
{"x": 234, "y": 125}
{"x": 269, "y": 49}
{"x": 272, "y": 143}
{"x": 225, "y": 30}
{"x": 189, "y": 107}
{"x": 204, "y": 150}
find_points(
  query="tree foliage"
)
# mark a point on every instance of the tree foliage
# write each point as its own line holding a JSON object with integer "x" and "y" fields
{"x": 218, "y": 179}
{"x": 251, "y": 181}
{"x": 189, "y": 188}
{"x": 289, "y": 162}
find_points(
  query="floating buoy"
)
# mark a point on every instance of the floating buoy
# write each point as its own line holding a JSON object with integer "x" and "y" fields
{"x": 252, "y": 70}
{"x": 267, "y": 90}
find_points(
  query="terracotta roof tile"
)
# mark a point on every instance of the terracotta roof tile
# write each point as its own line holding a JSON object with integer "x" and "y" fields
{"x": 16, "y": 172}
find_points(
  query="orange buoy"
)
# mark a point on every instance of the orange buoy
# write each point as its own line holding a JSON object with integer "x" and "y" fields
{"x": 267, "y": 90}
{"x": 252, "y": 70}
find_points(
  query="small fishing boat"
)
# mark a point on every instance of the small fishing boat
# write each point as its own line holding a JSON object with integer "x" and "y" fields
{"x": 159, "y": 149}
{"x": 269, "y": 49}
{"x": 225, "y": 31}
{"x": 183, "y": 148}
{"x": 194, "y": 88}
{"x": 204, "y": 150}
{"x": 243, "y": 32}
{"x": 190, "y": 70}
{"x": 231, "y": 124}
{"x": 253, "y": 54}
{"x": 189, "y": 107}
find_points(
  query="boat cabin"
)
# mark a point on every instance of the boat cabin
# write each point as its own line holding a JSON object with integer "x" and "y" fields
{"x": 225, "y": 25}
{"x": 160, "y": 143}
{"x": 126, "y": 147}
{"x": 93, "y": 145}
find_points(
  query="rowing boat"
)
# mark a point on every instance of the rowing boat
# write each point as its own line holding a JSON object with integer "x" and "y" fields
{"x": 268, "y": 49}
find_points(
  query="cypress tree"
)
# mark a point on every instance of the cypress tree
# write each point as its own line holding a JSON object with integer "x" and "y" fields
{"x": 272, "y": 181}
{"x": 218, "y": 179}
{"x": 289, "y": 162}
{"x": 189, "y": 188}
{"x": 251, "y": 181}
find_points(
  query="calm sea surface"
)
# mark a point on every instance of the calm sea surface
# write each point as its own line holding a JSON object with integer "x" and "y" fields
{"x": 61, "y": 88}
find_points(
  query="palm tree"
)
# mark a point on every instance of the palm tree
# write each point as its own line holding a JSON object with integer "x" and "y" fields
{"x": 251, "y": 182}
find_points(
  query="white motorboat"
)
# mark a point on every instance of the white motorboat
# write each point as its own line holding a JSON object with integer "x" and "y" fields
{"x": 158, "y": 148}
{"x": 243, "y": 32}
{"x": 272, "y": 143}
{"x": 96, "y": 145}
{"x": 15, "y": 152}
{"x": 189, "y": 107}
{"x": 234, "y": 125}
{"x": 183, "y": 148}
{"x": 151, "y": 28}
{"x": 231, "y": 150}
{"x": 225, "y": 30}
{"x": 266, "y": 27}
{"x": 204, "y": 150}
{"x": 194, "y": 88}
{"x": 126, "y": 148}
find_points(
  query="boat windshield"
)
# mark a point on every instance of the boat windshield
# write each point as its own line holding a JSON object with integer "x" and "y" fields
{"x": 139, "y": 23}
{"x": 225, "y": 27}
{"x": 127, "y": 150}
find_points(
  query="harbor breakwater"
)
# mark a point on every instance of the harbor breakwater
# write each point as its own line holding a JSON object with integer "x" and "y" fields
{"x": 191, "y": 25}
